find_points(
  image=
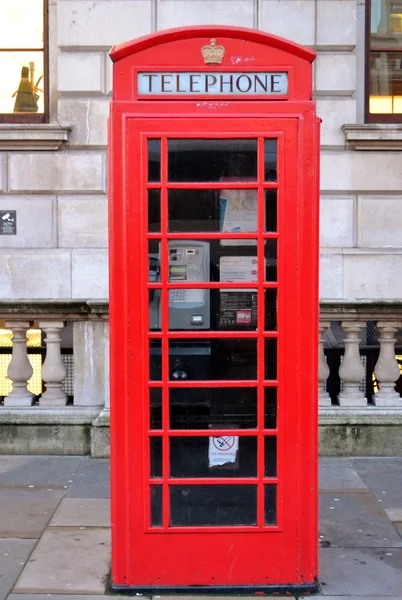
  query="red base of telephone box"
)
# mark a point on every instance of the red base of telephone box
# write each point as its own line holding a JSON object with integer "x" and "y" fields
{"x": 214, "y": 147}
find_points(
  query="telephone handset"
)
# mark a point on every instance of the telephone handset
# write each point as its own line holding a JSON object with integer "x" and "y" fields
{"x": 188, "y": 261}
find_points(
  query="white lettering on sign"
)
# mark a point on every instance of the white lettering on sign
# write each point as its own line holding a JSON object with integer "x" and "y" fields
{"x": 232, "y": 84}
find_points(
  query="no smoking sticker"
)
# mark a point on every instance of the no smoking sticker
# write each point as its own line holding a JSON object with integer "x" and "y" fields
{"x": 223, "y": 450}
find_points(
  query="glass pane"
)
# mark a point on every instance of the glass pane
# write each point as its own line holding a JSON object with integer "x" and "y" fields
{"x": 209, "y": 505}
{"x": 213, "y": 210}
{"x": 270, "y": 456}
{"x": 189, "y": 360}
{"x": 212, "y": 160}
{"x": 156, "y": 505}
{"x": 270, "y": 504}
{"x": 155, "y": 360}
{"x": 270, "y": 160}
{"x": 155, "y": 408}
{"x": 270, "y": 407}
{"x": 155, "y": 446}
{"x": 206, "y": 408}
{"x": 270, "y": 309}
{"x": 386, "y": 24}
{"x": 212, "y": 359}
{"x": 385, "y": 82}
{"x": 215, "y": 456}
{"x": 154, "y": 309}
{"x": 21, "y": 24}
{"x": 234, "y": 310}
{"x": 270, "y": 358}
{"x": 154, "y": 211}
{"x": 193, "y": 210}
{"x": 154, "y": 264}
{"x": 271, "y": 210}
{"x": 271, "y": 260}
{"x": 154, "y": 160}
{"x": 21, "y": 82}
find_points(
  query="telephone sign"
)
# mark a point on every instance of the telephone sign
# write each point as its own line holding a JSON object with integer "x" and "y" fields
{"x": 213, "y": 200}
{"x": 212, "y": 83}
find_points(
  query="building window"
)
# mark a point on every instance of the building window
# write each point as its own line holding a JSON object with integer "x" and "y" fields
{"x": 23, "y": 61}
{"x": 384, "y": 62}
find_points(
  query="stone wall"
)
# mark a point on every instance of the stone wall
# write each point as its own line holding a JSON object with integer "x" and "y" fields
{"x": 60, "y": 250}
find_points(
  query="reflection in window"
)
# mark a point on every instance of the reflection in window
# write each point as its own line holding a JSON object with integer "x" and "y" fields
{"x": 212, "y": 160}
{"x": 215, "y": 456}
{"x": 209, "y": 505}
{"x": 22, "y": 57}
{"x": 156, "y": 505}
{"x": 385, "y": 61}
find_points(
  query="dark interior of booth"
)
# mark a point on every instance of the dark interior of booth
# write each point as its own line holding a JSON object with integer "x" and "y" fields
{"x": 209, "y": 359}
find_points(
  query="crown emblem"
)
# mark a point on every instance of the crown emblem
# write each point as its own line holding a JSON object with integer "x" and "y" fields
{"x": 213, "y": 54}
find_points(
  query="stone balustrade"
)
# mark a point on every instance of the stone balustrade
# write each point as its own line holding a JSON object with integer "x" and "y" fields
{"x": 360, "y": 411}
{"x": 353, "y": 319}
{"x": 91, "y": 346}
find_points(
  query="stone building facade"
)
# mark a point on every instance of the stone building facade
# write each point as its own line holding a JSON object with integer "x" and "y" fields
{"x": 54, "y": 271}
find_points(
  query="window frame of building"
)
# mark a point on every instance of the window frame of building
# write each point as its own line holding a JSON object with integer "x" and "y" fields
{"x": 27, "y": 118}
{"x": 390, "y": 118}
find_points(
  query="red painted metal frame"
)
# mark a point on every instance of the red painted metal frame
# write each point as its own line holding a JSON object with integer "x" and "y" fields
{"x": 156, "y": 557}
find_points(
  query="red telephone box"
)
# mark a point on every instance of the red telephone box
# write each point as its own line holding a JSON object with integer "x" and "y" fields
{"x": 214, "y": 147}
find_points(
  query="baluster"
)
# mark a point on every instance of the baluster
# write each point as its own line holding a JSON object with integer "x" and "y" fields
{"x": 323, "y": 368}
{"x": 352, "y": 370}
{"x": 386, "y": 369}
{"x": 20, "y": 369}
{"x": 54, "y": 370}
{"x": 91, "y": 363}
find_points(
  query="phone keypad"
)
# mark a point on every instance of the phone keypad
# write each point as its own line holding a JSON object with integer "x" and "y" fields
{"x": 177, "y": 295}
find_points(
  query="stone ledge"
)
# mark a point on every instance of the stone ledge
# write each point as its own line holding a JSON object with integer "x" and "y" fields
{"x": 373, "y": 136}
{"x": 103, "y": 419}
{"x": 84, "y": 308}
{"x": 32, "y": 136}
{"x": 35, "y": 415}
{"x": 370, "y": 415}
{"x": 62, "y": 309}
{"x": 366, "y": 309}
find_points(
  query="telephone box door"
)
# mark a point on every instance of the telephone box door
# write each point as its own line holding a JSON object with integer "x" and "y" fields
{"x": 215, "y": 361}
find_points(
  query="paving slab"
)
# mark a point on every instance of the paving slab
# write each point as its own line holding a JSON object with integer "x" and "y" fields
{"x": 355, "y": 520}
{"x": 92, "y": 479}
{"x": 26, "y": 512}
{"x": 361, "y": 572}
{"x": 383, "y": 476}
{"x": 394, "y": 514}
{"x": 40, "y": 471}
{"x": 67, "y": 561}
{"x": 339, "y": 474}
{"x": 13, "y": 555}
{"x": 398, "y": 527}
{"x": 88, "y": 512}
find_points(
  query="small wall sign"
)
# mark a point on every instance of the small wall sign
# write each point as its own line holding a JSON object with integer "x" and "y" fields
{"x": 8, "y": 222}
{"x": 213, "y": 84}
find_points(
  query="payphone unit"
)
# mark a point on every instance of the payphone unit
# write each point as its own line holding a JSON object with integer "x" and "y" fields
{"x": 189, "y": 308}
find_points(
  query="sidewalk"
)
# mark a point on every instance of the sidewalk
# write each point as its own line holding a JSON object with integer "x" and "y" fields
{"x": 55, "y": 528}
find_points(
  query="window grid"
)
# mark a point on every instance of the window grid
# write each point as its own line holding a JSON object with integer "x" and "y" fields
{"x": 383, "y": 61}
{"x": 30, "y": 79}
